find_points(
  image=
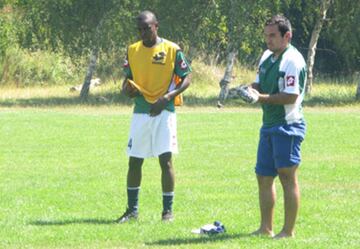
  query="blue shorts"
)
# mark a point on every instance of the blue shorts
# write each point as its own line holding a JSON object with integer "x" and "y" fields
{"x": 279, "y": 147}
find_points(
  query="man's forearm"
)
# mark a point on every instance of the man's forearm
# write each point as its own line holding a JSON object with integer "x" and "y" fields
{"x": 277, "y": 99}
{"x": 182, "y": 87}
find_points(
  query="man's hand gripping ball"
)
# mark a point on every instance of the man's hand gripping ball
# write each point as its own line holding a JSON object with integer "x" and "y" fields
{"x": 248, "y": 94}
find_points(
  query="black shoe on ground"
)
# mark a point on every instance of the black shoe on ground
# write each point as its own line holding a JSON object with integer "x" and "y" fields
{"x": 167, "y": 216}
{"x": 129, "y": 215}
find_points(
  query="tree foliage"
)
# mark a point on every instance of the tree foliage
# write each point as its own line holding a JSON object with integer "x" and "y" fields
{"x": 343, "y": 35}
{"x": 206, "y": 28}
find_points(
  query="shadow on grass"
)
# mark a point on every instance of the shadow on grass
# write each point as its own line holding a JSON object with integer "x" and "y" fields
{"x": 71, "y": 221}
{"x": 330, "y": 101}
{"x": 111, "y": 98}
{"x": 93, "y": 100}
{"x": 106, "y": 99}
{"x": 198, "y": 240}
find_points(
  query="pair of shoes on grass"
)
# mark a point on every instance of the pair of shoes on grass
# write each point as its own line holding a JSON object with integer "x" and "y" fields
{"x": 131, "y": 215}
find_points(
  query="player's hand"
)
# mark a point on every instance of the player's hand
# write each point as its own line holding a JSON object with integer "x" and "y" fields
{"x": 129, "y": 90}
{"x": 158, "y": 106}
{"x": 248, "y": 94}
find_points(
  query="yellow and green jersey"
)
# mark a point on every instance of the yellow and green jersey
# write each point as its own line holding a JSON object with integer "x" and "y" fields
{"x": 153, "y": 70}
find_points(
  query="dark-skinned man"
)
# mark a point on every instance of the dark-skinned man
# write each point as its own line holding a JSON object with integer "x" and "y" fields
{"x": 156, "y": 73}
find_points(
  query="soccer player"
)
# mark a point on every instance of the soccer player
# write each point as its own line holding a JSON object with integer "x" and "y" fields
{"x": 279, "y": 88}
{"x": 159, "y": 72}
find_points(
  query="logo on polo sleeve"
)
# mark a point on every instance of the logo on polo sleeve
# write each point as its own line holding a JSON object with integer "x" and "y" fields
{"x": 290, "y": 80}
{"x": 182, "y": 65}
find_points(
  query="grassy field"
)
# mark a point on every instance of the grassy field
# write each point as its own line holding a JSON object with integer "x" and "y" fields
{"x": 62, "y": 180}
{"x": 63, "y": 169}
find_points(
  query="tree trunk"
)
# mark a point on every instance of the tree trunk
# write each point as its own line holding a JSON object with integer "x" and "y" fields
{"x": 358, "y": 90}
{"x": 325, "y": 4}
{"x": 232, "y": 53}
{"x": 92, "y": 64}
{"x": 89, "y": 73}
{"x": 225, "y": 81}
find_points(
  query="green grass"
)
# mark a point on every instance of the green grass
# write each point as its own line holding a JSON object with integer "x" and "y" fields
{"x": 62, "y": 180}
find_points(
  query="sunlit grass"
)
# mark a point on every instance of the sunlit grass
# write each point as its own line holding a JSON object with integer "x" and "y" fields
{"x": 203, "y": 91}
{"x": 63, "y": 173}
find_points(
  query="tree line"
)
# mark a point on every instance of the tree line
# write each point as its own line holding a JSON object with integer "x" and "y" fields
{"x": 208, "y": 29}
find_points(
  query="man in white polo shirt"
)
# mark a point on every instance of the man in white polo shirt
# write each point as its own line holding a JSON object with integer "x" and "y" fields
{"x": 279, "y": 88}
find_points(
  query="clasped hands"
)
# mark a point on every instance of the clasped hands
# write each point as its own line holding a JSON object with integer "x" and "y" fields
{"x": 157, "y": 107}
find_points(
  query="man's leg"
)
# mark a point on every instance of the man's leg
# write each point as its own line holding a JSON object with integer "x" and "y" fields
{"x": 267, "y": 196}
{"x": 167, "y": 183}
{"x": 133, "y": 188}
{"x": 133, "y": 182}
{"x": 289, "y": 182}
{"x": 167, "y": 172}
{"x": 134, "y": 172}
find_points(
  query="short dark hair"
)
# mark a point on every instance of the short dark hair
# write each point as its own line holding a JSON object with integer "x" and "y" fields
{"x": 282, "y": 22}
{"x": 146, "y": 15}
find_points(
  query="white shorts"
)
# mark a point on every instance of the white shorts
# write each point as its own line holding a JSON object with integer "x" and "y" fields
{"x": 152, "y": 136}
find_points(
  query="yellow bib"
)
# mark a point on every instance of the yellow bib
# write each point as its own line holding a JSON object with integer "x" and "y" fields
{"x": 152, "y": 68}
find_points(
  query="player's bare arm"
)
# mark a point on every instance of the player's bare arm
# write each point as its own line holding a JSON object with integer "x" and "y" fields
{"x": 162, "y": 102}
{"x": 250, "y": 94}
{"x": 274, "y": 99}
{"x": 123, "y": 86}
{"x": 185, "y": 83}
{"x": 128, "y": 90}
{"x": 278, "y": 98}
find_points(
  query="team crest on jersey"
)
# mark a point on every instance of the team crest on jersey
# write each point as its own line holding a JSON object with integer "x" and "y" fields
{"x": 159, "y": 58}
{"x": 290, "y": 80}
{"x": 126, "y": 63}
{"x": 183, "y": 65}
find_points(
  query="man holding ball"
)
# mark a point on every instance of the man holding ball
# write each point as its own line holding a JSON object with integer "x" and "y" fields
{"x": 279, "y": 88}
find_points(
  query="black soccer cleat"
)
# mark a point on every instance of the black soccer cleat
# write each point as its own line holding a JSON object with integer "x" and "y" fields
{"x": 167, "y": 216}
{"x": 128, "y": 216}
